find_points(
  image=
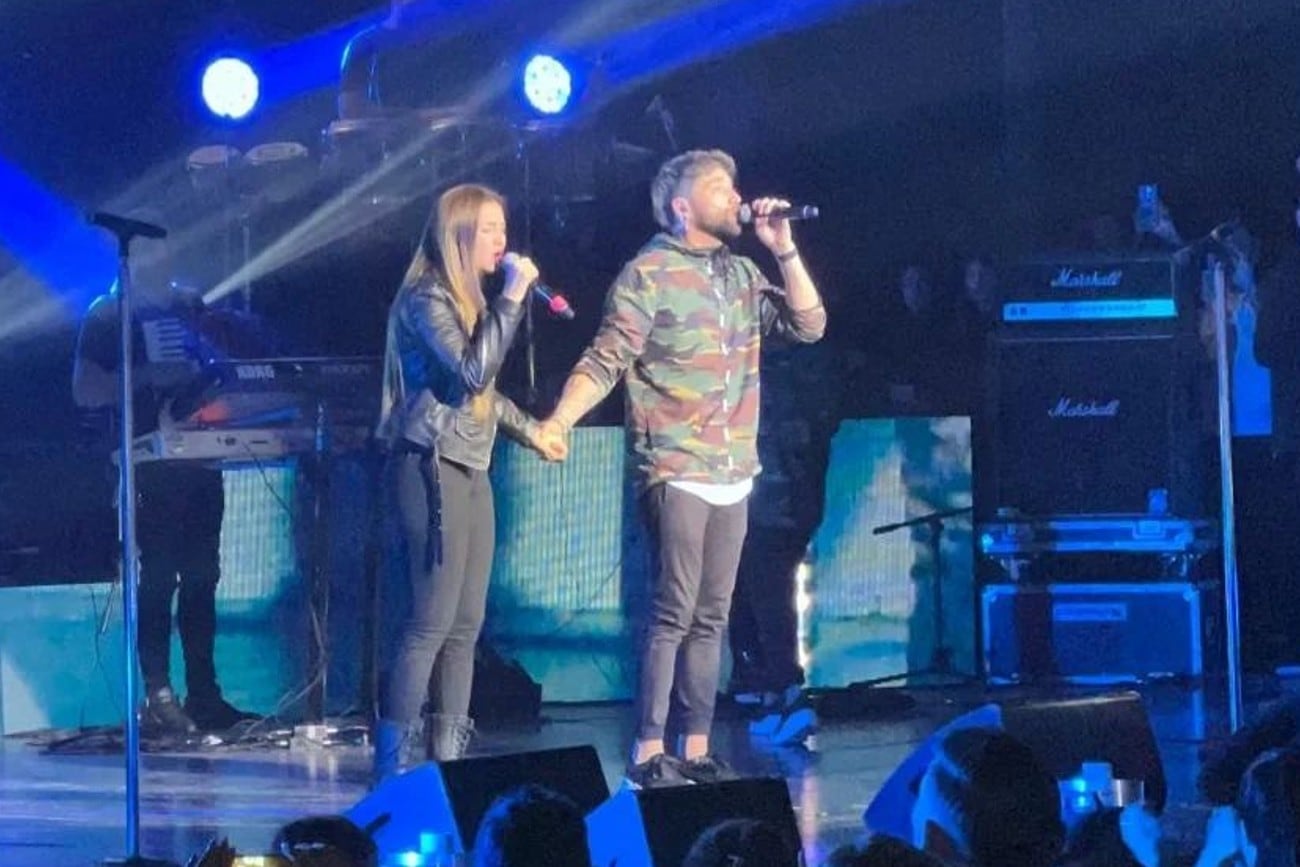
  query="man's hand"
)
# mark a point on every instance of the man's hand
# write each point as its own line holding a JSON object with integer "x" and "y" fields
{"x": 552, "y": 440}
{"x": 775, "y": 234}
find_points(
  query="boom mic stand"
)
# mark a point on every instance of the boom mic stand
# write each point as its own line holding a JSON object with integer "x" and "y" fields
{"x": 126, "y": 230}
{"x": 941, "y": 656}
{"x": 525, "y": 157}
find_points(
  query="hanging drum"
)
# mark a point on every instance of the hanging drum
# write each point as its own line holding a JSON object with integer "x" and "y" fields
{"x": 213, "y": 168}
{"x": 278, "y": 171}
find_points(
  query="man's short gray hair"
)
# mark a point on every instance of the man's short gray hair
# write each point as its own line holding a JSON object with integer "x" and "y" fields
{"x": 676, "y": 176}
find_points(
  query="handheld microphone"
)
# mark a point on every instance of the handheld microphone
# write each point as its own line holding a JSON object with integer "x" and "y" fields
{"x": 794, "y": 212}
{"x": 555, "y": 302}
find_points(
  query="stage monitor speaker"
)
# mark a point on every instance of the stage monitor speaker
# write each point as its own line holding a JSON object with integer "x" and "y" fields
{"x": 450, "y": 798}
{"x": 1097, "y": 426}
{"x": 657, "y": 827}
{"x": 1063, "y": 735}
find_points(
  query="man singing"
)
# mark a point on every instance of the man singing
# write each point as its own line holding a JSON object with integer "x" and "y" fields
{"x": 683, "y": 322}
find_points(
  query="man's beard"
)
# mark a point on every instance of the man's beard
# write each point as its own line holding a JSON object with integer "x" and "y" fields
{"x": 725, "y": 227}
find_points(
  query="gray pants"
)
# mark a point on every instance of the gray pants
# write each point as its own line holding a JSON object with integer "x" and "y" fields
{"x": 448, "y": 595}
{"x": 696, "y": 548}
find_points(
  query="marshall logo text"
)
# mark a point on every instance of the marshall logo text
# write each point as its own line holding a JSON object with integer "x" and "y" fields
{"x": 1068, "y": 278}
{"x": 1069, "y": 408}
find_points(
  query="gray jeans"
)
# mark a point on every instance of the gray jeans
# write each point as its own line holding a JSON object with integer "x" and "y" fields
{"x": 696, "y": 548}
{"x": 449, "y": 593}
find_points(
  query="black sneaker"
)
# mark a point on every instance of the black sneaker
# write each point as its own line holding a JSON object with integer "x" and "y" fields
{"x": 215, "y": 714}
{"x": 162, "y": 715}
{"x": 657, "y": 772}
{"x": 708, "y": 769}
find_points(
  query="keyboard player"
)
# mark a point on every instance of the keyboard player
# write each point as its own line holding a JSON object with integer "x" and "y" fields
{"x": 180, "y": 504}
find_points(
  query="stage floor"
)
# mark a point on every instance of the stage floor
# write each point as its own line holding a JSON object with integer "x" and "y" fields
{"x": 64, "y": 809}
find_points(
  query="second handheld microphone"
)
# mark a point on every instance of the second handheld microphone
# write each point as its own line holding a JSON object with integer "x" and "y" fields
{"x": 555, "y": 302}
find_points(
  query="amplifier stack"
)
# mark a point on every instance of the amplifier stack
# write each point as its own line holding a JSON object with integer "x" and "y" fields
{"x": 1100, "y": 389}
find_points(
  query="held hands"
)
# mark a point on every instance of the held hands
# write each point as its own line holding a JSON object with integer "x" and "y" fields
{"x": 775, "y": 235}
{"x": 521, "y": 273}
{"x": 551, "y": 439}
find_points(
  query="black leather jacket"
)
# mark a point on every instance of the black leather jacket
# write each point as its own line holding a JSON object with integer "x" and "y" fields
{"x": 433, "y": 368}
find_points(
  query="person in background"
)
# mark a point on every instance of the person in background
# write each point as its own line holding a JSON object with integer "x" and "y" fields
{"x": 180, "y": 504}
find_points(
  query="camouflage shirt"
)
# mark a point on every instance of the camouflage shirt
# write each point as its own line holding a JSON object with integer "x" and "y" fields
{"x": 685, "y": 325}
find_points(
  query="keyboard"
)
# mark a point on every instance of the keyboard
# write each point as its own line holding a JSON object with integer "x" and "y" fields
{"x": 243, "y": 445}
{"x": 269, "y": 408}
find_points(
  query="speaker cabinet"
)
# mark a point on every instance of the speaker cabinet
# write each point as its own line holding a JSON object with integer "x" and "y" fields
{"x": 1063, "y": 735}
{"x": 656, "y": 827}
{"x": 450, "y": 798}
{"x": 1096, "y": 426}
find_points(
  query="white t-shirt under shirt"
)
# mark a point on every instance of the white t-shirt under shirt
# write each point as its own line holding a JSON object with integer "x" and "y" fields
{"x": 727, "y": 494}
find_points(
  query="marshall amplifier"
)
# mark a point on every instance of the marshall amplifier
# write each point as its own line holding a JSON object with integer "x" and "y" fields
{"x": 1096, "y": 426}
{"x": 1073, "y": 293}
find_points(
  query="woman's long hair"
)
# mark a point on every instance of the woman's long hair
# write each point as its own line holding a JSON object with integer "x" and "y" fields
{"x": 447, "y": 246}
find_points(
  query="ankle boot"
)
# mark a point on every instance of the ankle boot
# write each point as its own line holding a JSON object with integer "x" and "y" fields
{"x": 449, "y": 736}
{"x": 398, "y": 747}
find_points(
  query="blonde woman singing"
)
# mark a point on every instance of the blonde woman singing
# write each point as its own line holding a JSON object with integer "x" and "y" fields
{"x": 440, "y": 416}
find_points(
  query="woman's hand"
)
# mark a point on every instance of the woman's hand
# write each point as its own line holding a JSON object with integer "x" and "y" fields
{"x": 521, "y": 274}
{"x": 550, "y": 440}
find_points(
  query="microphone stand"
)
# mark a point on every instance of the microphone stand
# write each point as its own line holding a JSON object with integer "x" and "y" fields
{"x": 1215, "y": 241}
{"x": 530, "y": 339}
{"x": 1227, "y": 501}
{"x": 125, "y": 231}
{"x": 941, "y": 656}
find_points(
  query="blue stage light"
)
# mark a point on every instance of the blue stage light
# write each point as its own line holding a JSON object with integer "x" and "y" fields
{"x": 548, "y": 84}
{"x": 230, "y": 88}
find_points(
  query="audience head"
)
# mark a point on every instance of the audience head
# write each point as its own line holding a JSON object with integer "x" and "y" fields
{"x": 1225, "y": 764}
{"x": 532, "y": 827}
{"x": 326, "y": 841}
{"x": 741, "y": 843}
{"x": 914, "y": 285}
{"x": 979, "y": 284}
{"x": 987, "y": 799}
{"x": 1116, "y": 837}
{"x": 1101, "y": 233}
{"x": 1268, "y": 805}
{"x": 881, "y": 851}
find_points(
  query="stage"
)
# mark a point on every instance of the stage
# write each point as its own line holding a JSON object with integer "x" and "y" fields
{"x": 67, "y": 809}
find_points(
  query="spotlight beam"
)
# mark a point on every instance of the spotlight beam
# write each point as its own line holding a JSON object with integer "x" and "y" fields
{"x": 62, "y": 261}
{"x": 672, "y": 43}
{"x": 352, "y": 209}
